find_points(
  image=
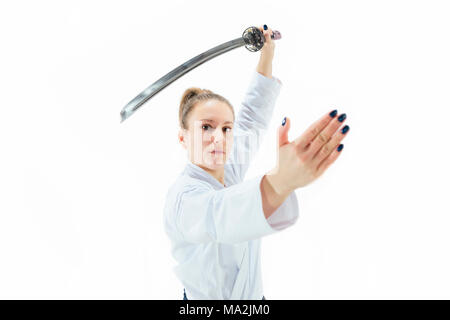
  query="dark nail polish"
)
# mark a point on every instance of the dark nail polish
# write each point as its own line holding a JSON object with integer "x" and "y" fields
{"x": 341, "y": 146}
{"x": 342, "y": 117}
{"x": 265, "y": 27}
{"x": 345, "y": 129}
{"x": 284, "y": 121}
{"x": 333, "y": 113}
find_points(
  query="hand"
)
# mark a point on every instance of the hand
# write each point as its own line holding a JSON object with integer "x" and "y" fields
{"x": 306, "y": 158}
{"x": 268, "y": 50}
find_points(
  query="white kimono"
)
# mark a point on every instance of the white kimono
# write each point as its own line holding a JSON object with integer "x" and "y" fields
{"x": 215, "y": 230}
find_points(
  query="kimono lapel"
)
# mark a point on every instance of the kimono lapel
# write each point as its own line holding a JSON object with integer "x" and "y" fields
{"x": 196, "y": 172}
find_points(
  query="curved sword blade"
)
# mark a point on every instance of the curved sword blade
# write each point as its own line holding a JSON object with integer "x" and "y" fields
{"x": 176, "y": 73}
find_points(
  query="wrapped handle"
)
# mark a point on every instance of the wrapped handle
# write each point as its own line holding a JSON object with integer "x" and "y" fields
{"x": 276, "y": 35}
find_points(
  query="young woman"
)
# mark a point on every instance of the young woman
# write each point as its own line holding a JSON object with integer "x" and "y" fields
{"x": 213, "y": 218}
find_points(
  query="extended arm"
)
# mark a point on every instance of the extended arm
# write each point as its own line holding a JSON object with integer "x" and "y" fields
{"x": 230, "y": 215}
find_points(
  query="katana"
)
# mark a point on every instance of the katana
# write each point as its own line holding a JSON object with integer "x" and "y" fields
{"x": 253, "y": 39}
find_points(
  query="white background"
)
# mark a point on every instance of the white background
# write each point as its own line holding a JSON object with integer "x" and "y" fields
{"x": 81, "y": 194}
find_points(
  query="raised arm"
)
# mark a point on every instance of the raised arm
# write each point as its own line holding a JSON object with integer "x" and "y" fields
{"x": 256, "y": 110}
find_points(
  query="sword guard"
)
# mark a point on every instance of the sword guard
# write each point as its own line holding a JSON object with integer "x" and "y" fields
{"x": 254, "y": 38}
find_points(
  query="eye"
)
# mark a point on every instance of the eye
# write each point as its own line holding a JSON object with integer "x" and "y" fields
{"x": 227, "y": 129}
{"x": 205, "y": 126}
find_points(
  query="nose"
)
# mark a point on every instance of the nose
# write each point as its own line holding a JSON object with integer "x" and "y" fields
{"x": 217, "y": 136}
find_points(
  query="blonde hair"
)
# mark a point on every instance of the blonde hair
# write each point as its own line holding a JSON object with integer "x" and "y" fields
{"x": 190, "y": 98}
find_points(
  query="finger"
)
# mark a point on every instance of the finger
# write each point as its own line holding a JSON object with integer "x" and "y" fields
{"x": 328, "y": 160}
{"x": 305, "y": 139}
{"x": 267, "y": 34}
{"x": 283, "y": 132}
{"x": 321, "y": 140}
{"x": 330, "y": 146}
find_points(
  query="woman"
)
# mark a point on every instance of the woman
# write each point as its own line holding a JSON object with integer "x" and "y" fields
{"x": 213, "y": 218}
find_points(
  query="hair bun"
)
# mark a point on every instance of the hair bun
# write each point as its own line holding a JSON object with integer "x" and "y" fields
{"x": 190, "y": 93}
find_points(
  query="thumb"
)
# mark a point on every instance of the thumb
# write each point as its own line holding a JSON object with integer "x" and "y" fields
{"x": 283, "y": 132}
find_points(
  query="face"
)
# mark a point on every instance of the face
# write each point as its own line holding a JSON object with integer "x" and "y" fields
{"x": 209, "y": 137}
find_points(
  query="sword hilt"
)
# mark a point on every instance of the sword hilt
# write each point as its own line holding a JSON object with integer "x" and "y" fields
{"x": 254, "y": 38}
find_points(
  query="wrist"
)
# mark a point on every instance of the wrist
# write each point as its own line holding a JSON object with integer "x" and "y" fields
{"x": 265, "y": 69}
{"x": 277, "y": 184}
{"x": 271, "y": 199}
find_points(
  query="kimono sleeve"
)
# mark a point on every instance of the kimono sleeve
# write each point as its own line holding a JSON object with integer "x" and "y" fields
{"x": 230, "y": 215}
{"x": 252, "y": 120}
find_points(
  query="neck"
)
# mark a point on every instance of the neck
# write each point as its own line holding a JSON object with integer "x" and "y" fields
{"x": 217, "y": 174}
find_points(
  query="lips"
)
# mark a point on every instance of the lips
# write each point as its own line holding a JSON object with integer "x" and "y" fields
{"x": 217, "y": 152}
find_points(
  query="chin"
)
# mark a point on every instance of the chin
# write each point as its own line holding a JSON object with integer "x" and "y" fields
{"x": 214, "y": 162}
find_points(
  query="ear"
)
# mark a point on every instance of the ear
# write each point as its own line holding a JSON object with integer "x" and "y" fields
{"x": 181, "y": 137}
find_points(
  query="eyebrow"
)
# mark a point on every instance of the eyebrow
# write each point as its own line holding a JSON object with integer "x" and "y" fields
{"x": 214, "y": 121}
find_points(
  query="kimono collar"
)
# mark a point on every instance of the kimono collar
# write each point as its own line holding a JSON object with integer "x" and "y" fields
{"x": 196, "y": 172}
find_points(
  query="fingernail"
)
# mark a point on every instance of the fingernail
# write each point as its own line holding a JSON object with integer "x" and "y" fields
{"x": 284, "y": 121}
{"x": 341, "y": 146}
{"x": 345, "y": 129}
{"x": 342, "y": 117}
{"x": 333, "y": 113}
{"x": 265, "y": 27}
